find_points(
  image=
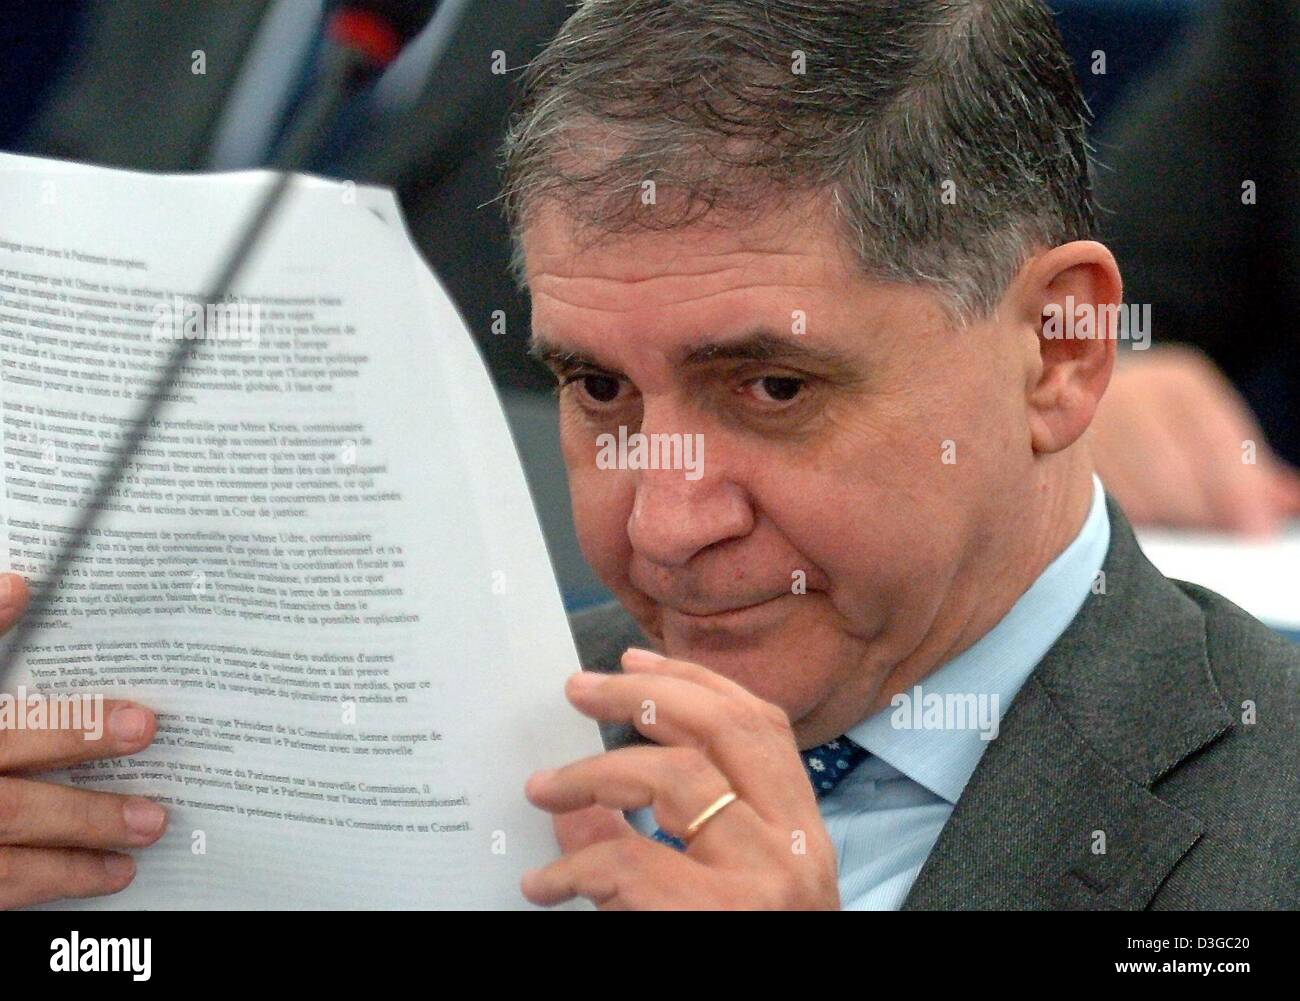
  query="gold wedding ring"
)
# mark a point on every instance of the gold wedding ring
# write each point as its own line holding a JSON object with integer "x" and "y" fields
{"x": 708, "y": 813}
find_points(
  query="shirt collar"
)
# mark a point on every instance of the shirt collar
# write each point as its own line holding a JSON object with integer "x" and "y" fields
{"x": 923, "y": 734}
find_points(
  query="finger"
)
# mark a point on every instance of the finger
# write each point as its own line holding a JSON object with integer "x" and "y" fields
{"x": 40, "y": 814}
{"x": 750, "y": 742}
{"x": 110, "y": 728}
{"x": 639, "y": 699}
{"x": 676, "y": 782}
{"x": 577, "y": 829}
{"x": 38, "y": 875}
{"x": 625, "y": 874}
{"x": 637, "y": 660}
{"x": 14, "y": 597}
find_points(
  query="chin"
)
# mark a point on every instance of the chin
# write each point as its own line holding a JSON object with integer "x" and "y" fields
{"x": 788, "y": 654}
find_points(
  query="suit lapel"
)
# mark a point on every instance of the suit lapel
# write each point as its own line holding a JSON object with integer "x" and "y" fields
{"x": 1023, "y": 831}
{"x": 1060, "y": 812}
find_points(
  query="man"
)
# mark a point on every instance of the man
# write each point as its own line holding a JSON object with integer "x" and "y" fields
{"x": 835, "y": 241}
{"x": 832, "y": 239}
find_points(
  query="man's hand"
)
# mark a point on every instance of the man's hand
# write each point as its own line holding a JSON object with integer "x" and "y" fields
{"x": 766, "y": 850}
{"x": 1170, "y": 443}
{"x": 57, "y": 841}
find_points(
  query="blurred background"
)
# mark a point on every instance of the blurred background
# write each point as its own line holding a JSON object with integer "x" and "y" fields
{"x": 1190, "y": 97}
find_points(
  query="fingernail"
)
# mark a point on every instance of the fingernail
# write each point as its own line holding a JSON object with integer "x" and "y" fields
{"x": 143, "y": 817}
{"x": 119, "y": 867}
{"x": 640, "y": 655}
{"x": 8, "y": 590}
{"x": 128, "y": 725}
{"x": 584, "y": 680}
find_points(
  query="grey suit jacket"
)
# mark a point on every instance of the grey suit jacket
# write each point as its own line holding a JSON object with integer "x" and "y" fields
{"x": 1132, "y": 725}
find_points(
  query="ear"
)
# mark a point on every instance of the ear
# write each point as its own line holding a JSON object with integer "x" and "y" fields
{"x": 1071, "y": 297}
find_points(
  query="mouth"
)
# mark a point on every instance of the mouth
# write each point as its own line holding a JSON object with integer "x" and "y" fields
{"x": 704, "y": 611}
{"x": 728, "y": 616}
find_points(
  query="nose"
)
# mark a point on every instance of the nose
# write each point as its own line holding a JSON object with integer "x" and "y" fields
{"x": 674, "y": 517}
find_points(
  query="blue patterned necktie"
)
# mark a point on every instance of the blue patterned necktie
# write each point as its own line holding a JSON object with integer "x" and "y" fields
{"x": 827, "y": 766}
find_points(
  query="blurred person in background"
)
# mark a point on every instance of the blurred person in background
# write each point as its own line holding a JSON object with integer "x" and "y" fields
{"x": 1197, "y": 186}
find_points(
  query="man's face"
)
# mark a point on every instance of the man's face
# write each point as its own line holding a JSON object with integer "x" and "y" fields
{"x": 860, "y": 454}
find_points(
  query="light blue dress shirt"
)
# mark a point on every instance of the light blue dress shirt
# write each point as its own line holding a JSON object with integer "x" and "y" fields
{"x": 885, "y": 816}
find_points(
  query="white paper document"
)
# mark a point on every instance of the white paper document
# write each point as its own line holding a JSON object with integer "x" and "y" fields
{"x": 323, "y": 570}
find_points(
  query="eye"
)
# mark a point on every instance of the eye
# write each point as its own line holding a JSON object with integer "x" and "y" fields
{"x": 597, "y": 387}
{"x": 776, "y": 388}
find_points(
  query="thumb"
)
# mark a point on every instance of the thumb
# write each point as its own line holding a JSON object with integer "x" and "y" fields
{"x": 579, "y": 828}
{"x": 14, "y": 596}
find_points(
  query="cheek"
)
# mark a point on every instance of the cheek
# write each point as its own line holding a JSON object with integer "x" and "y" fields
{"x": 602, "y": 503}
{"x": 876, "y": 520}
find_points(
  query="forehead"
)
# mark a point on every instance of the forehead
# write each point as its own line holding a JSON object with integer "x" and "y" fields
{"x": 665, "y": 297}
{"x": 794, "y": 246}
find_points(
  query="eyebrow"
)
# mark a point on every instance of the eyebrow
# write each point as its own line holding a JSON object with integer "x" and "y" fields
{"x": 765, "y": 346}
{"x": 758, "y": 345}
{"x": 562, "y": 358}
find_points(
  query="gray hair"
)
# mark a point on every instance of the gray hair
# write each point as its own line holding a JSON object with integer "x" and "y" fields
{"x": 900, "y": 102}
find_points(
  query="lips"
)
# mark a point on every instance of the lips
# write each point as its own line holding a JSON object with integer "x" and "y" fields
{"x": 707, "y": 611}
{"x": 725, "y": 623}
{"x": 716, "y": 597}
